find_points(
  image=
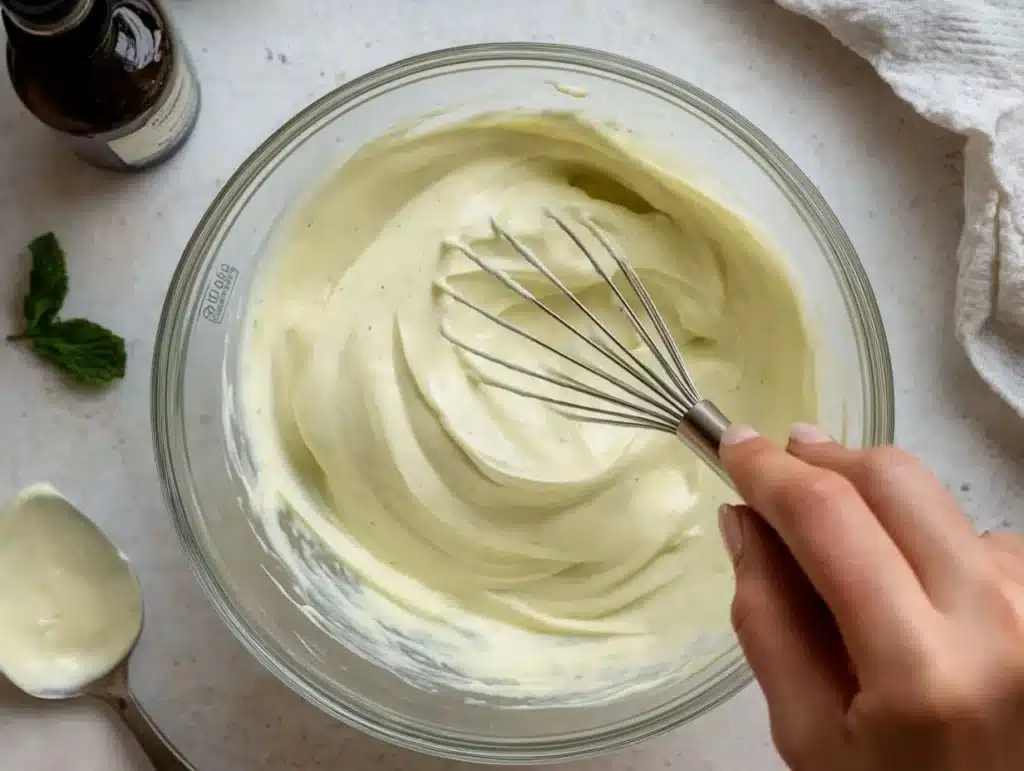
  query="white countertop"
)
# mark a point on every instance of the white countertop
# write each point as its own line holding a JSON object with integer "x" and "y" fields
{"x": 893, "y": 179}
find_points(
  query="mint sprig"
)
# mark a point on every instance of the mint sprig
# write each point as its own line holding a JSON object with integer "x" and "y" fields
{"x": 48, "y": 281}
{"x": 89, "y": 354}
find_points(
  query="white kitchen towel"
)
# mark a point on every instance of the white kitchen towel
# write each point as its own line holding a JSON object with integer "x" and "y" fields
{"x": 960, "y": 63}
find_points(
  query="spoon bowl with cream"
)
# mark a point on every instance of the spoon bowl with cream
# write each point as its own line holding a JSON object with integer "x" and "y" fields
{"x": 70, "y": 611}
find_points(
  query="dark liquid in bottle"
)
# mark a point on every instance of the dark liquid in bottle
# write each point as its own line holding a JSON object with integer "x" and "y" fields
{"x": 118, "y": 81}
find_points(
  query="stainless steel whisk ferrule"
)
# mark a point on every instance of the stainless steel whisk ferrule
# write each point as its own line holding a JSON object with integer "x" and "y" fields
{"x": 659, "y": 397}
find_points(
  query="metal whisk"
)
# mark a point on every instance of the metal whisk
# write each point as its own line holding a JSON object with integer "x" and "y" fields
{"x": 631, "y": 392}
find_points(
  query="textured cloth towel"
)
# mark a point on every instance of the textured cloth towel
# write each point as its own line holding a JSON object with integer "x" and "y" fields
{"x": 960, "y": 63}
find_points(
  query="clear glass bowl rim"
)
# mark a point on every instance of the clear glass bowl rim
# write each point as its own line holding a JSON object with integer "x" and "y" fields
{"x": 170, "y": 356}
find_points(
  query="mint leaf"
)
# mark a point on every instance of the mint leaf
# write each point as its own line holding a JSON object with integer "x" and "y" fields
{"x": 48, "y": 282}
{"x": 87, "y": 353}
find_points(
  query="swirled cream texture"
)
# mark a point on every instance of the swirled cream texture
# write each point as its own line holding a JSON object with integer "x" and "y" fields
{"x": 464, "y": 535}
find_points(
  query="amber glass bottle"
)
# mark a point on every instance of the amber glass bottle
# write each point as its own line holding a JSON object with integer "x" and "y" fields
{"x": 111, "y": 75}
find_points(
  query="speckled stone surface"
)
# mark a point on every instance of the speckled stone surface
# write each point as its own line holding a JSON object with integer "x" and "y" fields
{"x": 893, "y": 179}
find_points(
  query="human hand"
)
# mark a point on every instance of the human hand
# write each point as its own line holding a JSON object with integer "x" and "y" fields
{"x": 885, "y": 634}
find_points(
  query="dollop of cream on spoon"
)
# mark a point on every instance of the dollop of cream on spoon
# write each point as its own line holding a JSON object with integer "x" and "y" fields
{"x": 70, "y": 607}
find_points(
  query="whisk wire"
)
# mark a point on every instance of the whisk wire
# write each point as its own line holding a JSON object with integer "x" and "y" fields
{"x": 526, "y": 294}
{"x": 659, "y": 413}
{"x": 677, "y": 406}
{"x": 666, "y": 400}
{"x": 579, "y": 412}
{"x": 624, "y": 304}
{"x": 680, "y": 374}
{"x": 653, "y": 380}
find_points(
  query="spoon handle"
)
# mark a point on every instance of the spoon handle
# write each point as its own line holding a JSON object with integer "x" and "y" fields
{"x": 117, "y": 692}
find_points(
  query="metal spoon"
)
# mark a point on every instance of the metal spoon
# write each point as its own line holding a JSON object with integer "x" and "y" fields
{"x": 108, "y": 683}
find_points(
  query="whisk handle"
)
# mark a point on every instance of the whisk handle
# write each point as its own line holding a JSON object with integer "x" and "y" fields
{"x": 702, "y": 429}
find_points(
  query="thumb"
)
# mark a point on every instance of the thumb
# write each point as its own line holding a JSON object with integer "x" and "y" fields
{"x": 786, "y": 632}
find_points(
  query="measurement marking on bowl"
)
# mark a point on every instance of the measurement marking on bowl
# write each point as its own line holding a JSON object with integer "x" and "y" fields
{"x": 218, "y": 292}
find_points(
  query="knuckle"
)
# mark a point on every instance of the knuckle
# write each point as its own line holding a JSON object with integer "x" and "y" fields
{"x": 797, "y": 742}
{"x": 949, "y": 694}
{"x": 1014, "y": 681}
{"x": 887, "y": 462}
{"x": 813, "y": 491}
{"x": 1010, "y": 544}
{"x": 1014, "y": 542}
{"x": 747, "y": 460}
{"x": 747, "y": 603}
{"x": 1003, "y": 599}
{"x": 1012, "y": 678}
{"x": 951, "y": 701}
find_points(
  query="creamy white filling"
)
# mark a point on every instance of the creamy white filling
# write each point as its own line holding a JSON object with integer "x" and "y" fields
{"x": 527, "y": 553}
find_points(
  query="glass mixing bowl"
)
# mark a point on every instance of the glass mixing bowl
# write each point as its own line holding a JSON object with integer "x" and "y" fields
{"x": 201, "y": 326}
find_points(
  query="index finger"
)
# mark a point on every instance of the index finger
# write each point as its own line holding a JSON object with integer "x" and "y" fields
{"x": 873, "y": 592}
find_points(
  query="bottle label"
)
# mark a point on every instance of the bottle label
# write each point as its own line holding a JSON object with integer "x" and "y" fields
{"x": 165, "y": 124}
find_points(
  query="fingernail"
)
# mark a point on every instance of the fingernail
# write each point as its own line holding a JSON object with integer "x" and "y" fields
{"x": 732, "y": 531}
{"x": 738, "y": 433}
{"x": 808, "y": 433}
